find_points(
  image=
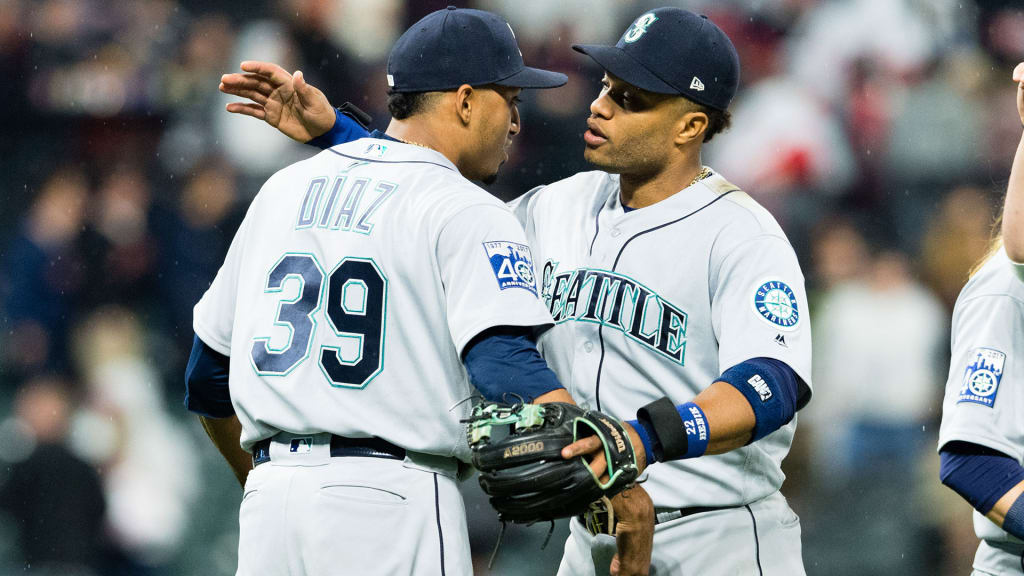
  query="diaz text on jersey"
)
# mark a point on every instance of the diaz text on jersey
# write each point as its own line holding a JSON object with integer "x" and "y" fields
{"x": 616, "y": 301}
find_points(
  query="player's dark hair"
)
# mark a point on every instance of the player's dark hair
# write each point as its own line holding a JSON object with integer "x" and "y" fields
{"x": 402, "y": 105}
{"x": 718, "y": 120}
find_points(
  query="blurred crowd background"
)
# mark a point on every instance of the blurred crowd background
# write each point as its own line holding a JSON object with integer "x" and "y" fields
{"x": 878, "y": 132}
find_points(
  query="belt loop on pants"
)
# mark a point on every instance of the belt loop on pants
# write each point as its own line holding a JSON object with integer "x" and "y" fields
{"x": 340, "y": 446}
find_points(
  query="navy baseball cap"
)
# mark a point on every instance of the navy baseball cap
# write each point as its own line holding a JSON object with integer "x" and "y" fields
{"x": 673, "y": 51}
{"x": 456, "y": 46}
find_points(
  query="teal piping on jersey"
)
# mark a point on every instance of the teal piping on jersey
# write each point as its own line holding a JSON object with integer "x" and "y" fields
{"x": 600, "y": 328}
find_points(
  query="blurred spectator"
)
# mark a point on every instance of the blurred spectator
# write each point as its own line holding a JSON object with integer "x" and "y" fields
{"x": 54, "y": 497}
{"x": 43, "y": 275}
{"x": 957, "y": 237}
{"x": 789, "y": 143}
{"x": 877, "y": 342}
{"x": 194, "y": 234}
{"x": 149, "y": 466}
{"x": 119, "y": 245}
{"x": 203, "y": 57}
{"x": 256, "y": 149}
{"x": 841, "y": 254}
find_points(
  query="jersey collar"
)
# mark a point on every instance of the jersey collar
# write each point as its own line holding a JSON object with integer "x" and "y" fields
{"x": 381, "y": 148}
{"x": 690, "y": 198}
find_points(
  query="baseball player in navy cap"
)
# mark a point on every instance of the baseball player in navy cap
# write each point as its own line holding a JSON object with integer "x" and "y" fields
{"x": 333, "y": 349}
{"x": 677, "y": 301}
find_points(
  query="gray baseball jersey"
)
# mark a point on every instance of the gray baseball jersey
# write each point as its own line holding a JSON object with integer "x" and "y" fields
{"x": 351, "y": 288}
{"x": 659, "y": 302}
{"x": 984, "y": 398}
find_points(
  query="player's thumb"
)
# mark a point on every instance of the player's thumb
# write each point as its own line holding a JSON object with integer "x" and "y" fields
{"x": 1018, "y": 73}
{"x": 303, "y": 90}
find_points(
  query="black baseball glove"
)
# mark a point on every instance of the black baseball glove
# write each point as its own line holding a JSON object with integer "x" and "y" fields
{"x": 517, "y": 448}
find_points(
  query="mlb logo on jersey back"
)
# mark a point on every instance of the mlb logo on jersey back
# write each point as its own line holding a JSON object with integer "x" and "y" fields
{"x": 982, "y": 376}
{"x": 512, "y": 264}
{"x": 376, "y": 149}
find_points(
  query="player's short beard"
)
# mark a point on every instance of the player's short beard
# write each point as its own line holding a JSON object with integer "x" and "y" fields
{"x": 628, "y": 162}
{"x": 493, "y": 177}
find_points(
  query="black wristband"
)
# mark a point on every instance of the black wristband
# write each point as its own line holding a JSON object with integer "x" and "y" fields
{"x": 670, "y": 441}
{"x": 352, "y": 111}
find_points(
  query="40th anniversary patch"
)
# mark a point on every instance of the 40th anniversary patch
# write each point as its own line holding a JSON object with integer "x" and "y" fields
{"x": 982, "y": 376}
{"x": 512, "y": 264}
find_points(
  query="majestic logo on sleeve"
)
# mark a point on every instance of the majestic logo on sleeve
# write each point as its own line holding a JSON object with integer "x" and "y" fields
{"x": 618, "y": 302}
{"x": 776, "y": 303}
{"x": 982, "y": 376}
{"x": 512, "y": 264}
{"x": 639, "y": 28}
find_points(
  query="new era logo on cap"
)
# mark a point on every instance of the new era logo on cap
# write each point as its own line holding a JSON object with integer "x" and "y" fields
{"x": 696, "y": 84}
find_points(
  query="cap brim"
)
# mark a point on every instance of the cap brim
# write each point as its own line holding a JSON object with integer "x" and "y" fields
{"x": 534, "y": 78}
{"x": 623, "y": 66}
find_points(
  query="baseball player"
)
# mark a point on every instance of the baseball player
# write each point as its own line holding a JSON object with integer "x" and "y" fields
{"x": 673, "y": 292}
{"x": 1013, "y": 211}
{"x": 981, "y": 440}
{"x": 354, "y": 291}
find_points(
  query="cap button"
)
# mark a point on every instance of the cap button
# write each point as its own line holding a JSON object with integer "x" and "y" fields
{"x": 452, "y": 8}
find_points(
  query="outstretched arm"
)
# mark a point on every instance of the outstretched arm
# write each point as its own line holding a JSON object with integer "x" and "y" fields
{"x": 285, "y": 101}
{"x": 1013, "y": 211}
{"x": 746, "y": 403}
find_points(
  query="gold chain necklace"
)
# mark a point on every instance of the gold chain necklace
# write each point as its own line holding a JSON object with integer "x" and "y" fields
{"x": 704, "y": 173}
{"x": 413, "y": 143}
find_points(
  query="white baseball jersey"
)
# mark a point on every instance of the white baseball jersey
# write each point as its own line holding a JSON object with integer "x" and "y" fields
{"x": 984, "y": 399}
{"x": 351, "y": 288}
{"x": 659, "y": 302}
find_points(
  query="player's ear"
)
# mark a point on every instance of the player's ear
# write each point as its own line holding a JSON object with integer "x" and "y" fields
{"x": 464, "y": 97}
{"x": 691, "y": 127}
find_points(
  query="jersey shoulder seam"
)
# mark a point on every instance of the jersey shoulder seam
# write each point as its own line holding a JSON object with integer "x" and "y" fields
{"x": 989, "y": 294}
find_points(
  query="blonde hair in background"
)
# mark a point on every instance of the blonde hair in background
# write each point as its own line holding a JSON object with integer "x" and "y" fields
{"x": 993, "y": 247}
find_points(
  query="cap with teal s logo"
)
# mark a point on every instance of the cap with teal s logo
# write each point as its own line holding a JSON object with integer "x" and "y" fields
{"x": 673, "y": 51}
{"x": 639, "y": 27}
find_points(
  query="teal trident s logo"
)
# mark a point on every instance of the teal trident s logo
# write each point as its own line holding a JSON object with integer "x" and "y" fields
{"x": 639, "y": 27}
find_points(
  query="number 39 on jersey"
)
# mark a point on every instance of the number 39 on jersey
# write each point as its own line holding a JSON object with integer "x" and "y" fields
{"x": 351, "y": 302}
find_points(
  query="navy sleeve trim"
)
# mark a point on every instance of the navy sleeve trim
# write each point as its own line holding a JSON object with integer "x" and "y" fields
{"x": 206, "y": 382}
{"x": 771, "y": 387}
{"x": 978, "y": 474}
{"x": 504, "y": 360}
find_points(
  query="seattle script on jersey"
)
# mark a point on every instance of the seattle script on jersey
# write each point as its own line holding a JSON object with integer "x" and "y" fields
{"x": 619, "y": 302}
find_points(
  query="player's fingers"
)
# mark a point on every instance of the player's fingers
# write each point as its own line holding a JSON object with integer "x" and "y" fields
{"x": 598, "y": 467}
{"x": 248, "y": 82}
{"x": 250, "y": 94}
{"x": 272, "y": 71}
{"x": 246, "y": 109}
{"x": 581, "y": 447}
{"x": 1018, "y": 73}
{"x": 613, "y": 569}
